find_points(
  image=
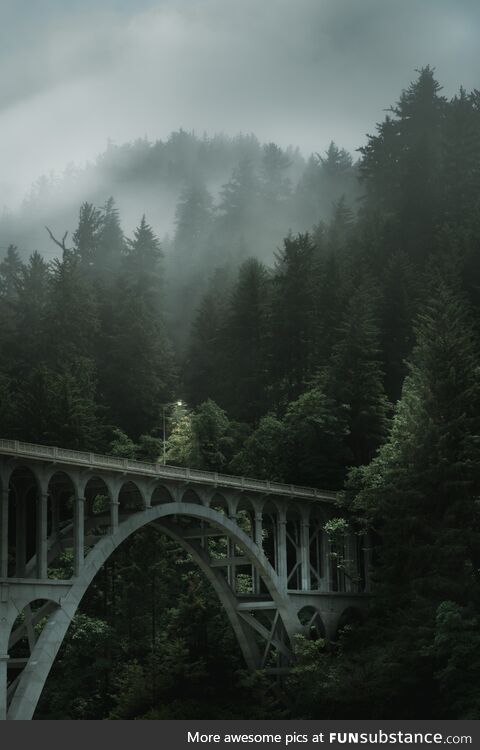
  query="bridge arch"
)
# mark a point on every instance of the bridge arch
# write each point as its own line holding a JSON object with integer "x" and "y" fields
{"x": 253, "y": 539}
{"x": 35, "y": 673}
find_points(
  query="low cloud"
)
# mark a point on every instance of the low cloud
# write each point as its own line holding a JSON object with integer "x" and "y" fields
{"x": 301, "y": 73}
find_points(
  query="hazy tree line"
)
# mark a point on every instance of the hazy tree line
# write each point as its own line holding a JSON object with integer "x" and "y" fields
{"x": 351, "y": 362}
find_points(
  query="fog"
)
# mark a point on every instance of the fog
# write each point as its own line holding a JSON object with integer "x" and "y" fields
{"x": 80, "y": 72}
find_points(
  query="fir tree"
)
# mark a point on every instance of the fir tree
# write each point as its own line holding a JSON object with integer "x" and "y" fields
{"x": 355, "y": 377}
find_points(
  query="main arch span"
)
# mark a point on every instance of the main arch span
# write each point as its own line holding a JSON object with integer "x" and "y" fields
{"x": 262, "y": 546}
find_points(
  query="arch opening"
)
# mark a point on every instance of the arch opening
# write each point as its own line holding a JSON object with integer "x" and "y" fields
{"x": 22, "y": 522}
{"x": 294, "y": 541}
{"x": 97, "y": 511}
{"x": 350, "y": 618}
{"x": 60, "y": 526}
{"x": 312, "y": 623}
{"x": 160, "y": 496}
{"x": 130, "y": 499}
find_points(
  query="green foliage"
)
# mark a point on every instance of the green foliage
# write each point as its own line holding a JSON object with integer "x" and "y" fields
{"x": 355, "y": 377}
{"x": 262, "y": 453}
{"x": 456, "y": 653}
{"x": 212, "y": 436}
{"x": 289, "y": 373}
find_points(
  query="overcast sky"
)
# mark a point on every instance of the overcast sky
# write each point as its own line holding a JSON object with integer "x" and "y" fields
{"x": 301, "y": 72}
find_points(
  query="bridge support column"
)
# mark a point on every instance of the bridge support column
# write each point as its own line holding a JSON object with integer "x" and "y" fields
{"x": 326, "y": 563}
{"x": 78, "y": 535}
{"x": 3, "y": 686}
{"x": 282, "y": 547}
{"x": 232, "y": 569}
{"x": 21, "y": 536}
{"x": 55, "y": 518}
{"x": 351, "y": 555}
{"x": 42, "y": 506}
{"x": 305, "y": 555}
{"x": 258, "y": 539}
{"x": 114, "y": 506}
{"x": 4, "y": 533}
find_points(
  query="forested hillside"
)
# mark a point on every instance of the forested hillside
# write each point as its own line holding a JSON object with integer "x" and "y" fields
{"x": 319, "y": 322}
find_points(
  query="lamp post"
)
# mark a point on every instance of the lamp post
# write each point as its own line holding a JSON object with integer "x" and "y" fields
{"x": 164, "y": 407}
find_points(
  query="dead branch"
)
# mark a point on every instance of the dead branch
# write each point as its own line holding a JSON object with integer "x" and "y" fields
{"x": 58, "y": 242}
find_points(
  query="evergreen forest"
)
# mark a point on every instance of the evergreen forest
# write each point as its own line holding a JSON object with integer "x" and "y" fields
{"x": 309, "y": 321}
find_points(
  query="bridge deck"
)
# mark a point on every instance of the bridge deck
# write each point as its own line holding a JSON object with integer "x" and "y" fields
{"x": 142, "y": 468}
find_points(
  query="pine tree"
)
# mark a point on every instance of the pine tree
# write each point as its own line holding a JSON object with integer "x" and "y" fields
{"x": 354, "y": 374}
{"x": 460, "y": 179}
{"x": 72, "y": 312}
{"x": 420, "y": 496}
{"x": 293, "y": 327}
{"x": 205, "y": 361}
{"x": 136, "y": 372}
{"x": 111, "y": 242}
{"x": 263, "y": 453}
{"x": 275, "y": 185}
{"x": 402, "y": 164}
{"x": 204, "y": 355}
{"x": 86, "y": 238}
{"x": 193, "y": 221}
{"x": 33, "y": 295}
{"x": 238, "y": 211}
{"x": 400, "y": 291}
{"x": 246, "y": 343}
{"x": 142, "y": 261}
{"x": 10, "y": 278}
{"x": 314, "y": 446}
{"x": 424, "y": 484}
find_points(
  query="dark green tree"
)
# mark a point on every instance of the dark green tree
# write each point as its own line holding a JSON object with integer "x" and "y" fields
{"x": 246, "y": 335}
{"x": 293, "y": 326}
{"x": 355, "y": 376}
{"x": 87, "y": 236}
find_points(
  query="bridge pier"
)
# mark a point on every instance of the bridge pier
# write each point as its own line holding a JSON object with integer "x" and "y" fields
{"x": 79, "y": 535}
{"x": 4, "y": 531}
{"x": 42, "y": 509}
{"x": 281, "y": 544}
{"x": 21, "y": 530}
{"x": 3, "y": 686}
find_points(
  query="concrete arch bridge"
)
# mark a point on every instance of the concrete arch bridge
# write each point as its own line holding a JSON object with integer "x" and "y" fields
{"x": 262, "y": 546}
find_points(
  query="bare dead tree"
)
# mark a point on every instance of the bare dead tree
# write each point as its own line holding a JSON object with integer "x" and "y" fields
{"x": 61, "y": 243}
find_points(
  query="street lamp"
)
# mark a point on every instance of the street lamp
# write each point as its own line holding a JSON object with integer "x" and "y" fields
{"x": 164, "y": 407}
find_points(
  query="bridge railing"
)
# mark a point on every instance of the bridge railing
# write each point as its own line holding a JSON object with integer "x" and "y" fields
{"x": 84, "y": 458}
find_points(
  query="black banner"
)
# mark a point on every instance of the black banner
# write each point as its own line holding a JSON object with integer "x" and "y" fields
{"x": 194, "y": 735}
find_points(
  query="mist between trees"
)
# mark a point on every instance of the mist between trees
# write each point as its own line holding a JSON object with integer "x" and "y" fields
{"x": 319, "y": 320}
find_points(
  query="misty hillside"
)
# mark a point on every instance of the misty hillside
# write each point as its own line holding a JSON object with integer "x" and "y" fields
{"x": 343, "y": 354}
{"x": 215, "y": 201}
